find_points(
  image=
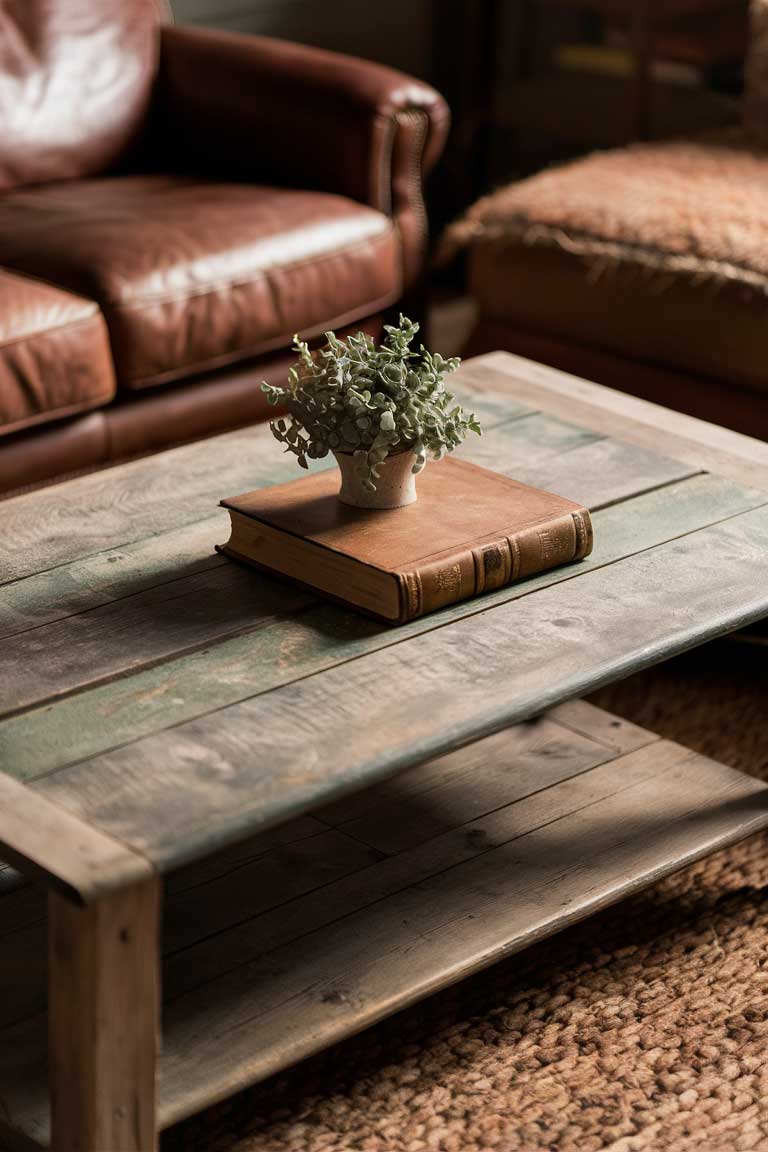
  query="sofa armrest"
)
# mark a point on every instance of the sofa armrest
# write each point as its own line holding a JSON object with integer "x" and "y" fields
{"x": 250, "y": 107}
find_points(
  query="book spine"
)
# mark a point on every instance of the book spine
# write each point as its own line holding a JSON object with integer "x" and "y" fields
{"x": 495, "y": 563}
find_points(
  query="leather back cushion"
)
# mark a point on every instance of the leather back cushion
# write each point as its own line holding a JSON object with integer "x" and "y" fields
{"x": 756, "y": 93}
{"x": 75, "y": 82}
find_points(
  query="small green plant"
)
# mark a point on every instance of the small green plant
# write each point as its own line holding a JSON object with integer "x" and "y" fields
{"x": 370, "y": 401}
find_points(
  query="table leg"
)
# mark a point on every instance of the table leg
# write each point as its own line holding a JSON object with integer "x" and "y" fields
{"x": 104, "y": 1009}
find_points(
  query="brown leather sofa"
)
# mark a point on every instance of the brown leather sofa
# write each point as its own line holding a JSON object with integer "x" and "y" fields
{"x": 174, "y": 204}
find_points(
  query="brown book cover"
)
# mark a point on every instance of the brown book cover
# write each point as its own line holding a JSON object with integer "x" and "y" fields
{"x": 470, "y": 531}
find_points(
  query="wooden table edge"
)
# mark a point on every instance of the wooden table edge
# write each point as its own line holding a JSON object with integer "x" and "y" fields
{"x": 721, "y": 450}
{"x": 75, "y": 858}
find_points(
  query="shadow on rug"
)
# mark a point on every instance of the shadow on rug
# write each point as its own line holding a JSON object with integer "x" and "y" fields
{"x": 644, "y": 1028}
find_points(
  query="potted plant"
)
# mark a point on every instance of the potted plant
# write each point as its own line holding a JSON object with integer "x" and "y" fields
{"x": 380, "y": 409}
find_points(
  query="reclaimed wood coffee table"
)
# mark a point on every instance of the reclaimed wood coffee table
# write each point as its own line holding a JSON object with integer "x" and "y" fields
{"x": 173, "y": 722}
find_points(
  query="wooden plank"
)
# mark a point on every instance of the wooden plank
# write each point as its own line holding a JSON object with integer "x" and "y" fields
{"x": 95, "y": 580}
{"x": 603, "y": 727}
{"x": 104, "y": 1021}
{"x": 230, "y": 773}
{"x": 697, "y": 442}
{"x": 528, "y": 806}
{"x": 81, "y": 517}
{"x": 245, "y": 852}
{"x": 668, "y": 807}
{"x": 183, "y": 688}
{"x": 491, "y": 405}
{"x": 521, "y": 444}
{"x": 605, "y": 472}
{"x": 279, "y": 876}
{"x": 90, "y": 639}
{"x": 396, "y": 931}
{"x": 292, "y": 860}
{"x": 90, "y": 582}
{"x": 289, "y": 859}
{"x": 14, "y": 1141}
{"x": 468, "y": 783}
{"x": 105, "y": 510}
{"x": 530, "y": 800}
{"x": 592, "y": 470}
{"x": 42, "y": 838}
{"x": 179, "y": 616}
{"x": 25, "y": 1115}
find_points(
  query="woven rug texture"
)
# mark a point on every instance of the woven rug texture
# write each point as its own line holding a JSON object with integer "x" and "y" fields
{"x": 643, "y": 1029}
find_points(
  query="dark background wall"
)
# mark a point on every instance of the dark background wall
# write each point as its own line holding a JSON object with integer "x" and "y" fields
{"x": 514, "y": 109}
{"x": 396, "y": 32}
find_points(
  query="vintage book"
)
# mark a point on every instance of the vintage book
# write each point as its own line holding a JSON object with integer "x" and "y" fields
{"x": 470, "y": 531}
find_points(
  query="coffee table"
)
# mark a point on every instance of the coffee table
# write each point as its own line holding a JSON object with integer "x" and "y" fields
{"x": 340, "y": 817}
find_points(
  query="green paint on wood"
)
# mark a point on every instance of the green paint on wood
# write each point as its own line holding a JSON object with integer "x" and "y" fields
{"x": 183, "y": 793}
{"x": 180, "y": 689}
{"x": 127, "y": 608}
{"x": 94, "y": 513}
{"x": 604, "y": 472}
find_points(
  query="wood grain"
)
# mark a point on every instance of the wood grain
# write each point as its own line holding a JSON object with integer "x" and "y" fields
{"x": 106, "y": 510}
{"x": 181, "y": 615}
{"x": 177, "y": 604}
{"x": 696, "y": 442}
{"x": 522, "y": 443}
{"x": 96, "y": 580}
{"x": 285, "y": 873}
{"x": 172, "y": 713}
{"x": 251, "y": 881}
{"x": 468, "y": 833}
{"x": 47, "y": 840}
{"x": 601, "y": 727}
{"x": 91, "y": 581}
{"x": 271, "y": 757}
{"x": 454, "y": 789}
{"x": 646, "y": 815}
{"x": 104, "y": 1021}
{"x": 282, "y": 863}
{"x": 247, "y": 1001}
{"x": 605, "y": 472}
{"x": 188, "y": 686}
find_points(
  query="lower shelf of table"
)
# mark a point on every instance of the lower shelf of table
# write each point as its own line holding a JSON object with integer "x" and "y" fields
{"x": 287, "y": 944}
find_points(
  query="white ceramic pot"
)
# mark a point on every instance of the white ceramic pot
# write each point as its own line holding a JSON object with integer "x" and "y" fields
{"x": 395, "y": 487}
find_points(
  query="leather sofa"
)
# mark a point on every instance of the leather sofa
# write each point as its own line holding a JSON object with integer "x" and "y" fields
{"x": 175, "y": 203}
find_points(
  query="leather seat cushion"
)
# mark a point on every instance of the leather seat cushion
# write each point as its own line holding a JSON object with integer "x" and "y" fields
{"x": 657, "y": 252}
{"x": 76, "y": 78}
{"x": 54, "y": 354}
{"x": 192, "y": 275}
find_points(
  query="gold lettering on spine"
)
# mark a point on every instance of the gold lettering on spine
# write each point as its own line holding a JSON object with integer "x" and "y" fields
{"x": 448, "y": 580}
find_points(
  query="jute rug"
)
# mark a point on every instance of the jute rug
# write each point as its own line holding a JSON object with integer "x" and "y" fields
{"x": 645, "y": 1028}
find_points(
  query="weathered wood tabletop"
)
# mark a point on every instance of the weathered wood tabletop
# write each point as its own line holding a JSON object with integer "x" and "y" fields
{"x": 177, "y": 702}
{"x": 165, "y": 711}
